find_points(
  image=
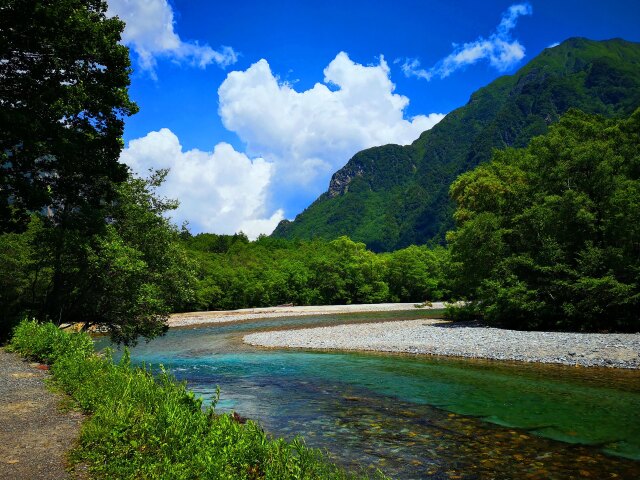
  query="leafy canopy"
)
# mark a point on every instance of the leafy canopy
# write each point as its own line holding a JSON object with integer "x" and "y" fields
{"x": 549, "y": 236}
{"x": 63, "y": 99}
{"x": 235, "y": 273}
{"x": 95, "y": 246}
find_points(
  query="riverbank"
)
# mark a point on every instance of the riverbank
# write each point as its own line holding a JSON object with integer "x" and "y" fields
{"x": 463, "y": 339}
{"x": 226, "y": 316}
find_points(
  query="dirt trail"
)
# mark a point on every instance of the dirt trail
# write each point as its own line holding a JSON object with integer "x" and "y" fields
{"x": 34, "y": 433}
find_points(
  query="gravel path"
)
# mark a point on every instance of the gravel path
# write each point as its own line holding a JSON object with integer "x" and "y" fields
{"x": 464, "y": 339}
{"x": 204, "y": 318}
{"x": 34, "y": 433}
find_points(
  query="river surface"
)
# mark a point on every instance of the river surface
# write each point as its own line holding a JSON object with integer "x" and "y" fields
{"x": 416, "y": 416}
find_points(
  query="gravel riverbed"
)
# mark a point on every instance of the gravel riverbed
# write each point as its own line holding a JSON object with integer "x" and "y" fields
{"x": 227, "y": 316}
{"x": 463, "y": 339}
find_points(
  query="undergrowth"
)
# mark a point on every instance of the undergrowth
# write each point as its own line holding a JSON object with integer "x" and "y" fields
{"x": 147, "y": 427}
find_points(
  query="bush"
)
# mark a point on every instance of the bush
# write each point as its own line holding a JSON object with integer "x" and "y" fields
{"x": 548, "y": 236}
{"x": 147, "y": 427}
{"x": 45, "y": 342}
{"x": 462, "y": 311}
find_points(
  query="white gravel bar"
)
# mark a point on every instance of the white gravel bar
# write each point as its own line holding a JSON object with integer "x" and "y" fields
{"x": 464, "y": 339}
{"x": 204, "y": 318}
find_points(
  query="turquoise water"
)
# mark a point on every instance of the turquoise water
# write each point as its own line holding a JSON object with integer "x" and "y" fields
{"x": 417, "y": 417}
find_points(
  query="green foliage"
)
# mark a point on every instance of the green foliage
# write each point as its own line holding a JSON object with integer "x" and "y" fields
{"x": 213, "y": 243}
{"x": 146, "y": 427}
{"x": 137, "y": 271}
{"x": 22, "y": 276}
{"x": 128, "y": 276}
{"x": 462, "y": 311}
{"x": 271, "y": 272}
{"x": 45, "y": 342}
{"x": 417, "y": 272}
{"x": 62, "y": 107}
{"x": 390, "y": 197}
{"x": 96, "y": 247}
{"x": 548, "y": 235}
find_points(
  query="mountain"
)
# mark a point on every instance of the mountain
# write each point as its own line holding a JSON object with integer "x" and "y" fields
{"x": 393, "y": 196}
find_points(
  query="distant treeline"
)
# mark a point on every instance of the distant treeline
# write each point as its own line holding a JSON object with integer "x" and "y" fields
{"x": 547, "y": 237}
{"x": 235, "y": 273}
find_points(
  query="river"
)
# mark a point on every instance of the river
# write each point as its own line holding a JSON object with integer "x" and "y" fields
{"x": 416, "y": 416}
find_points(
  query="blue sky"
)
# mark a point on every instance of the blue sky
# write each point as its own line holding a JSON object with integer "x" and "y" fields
{"x": 253, "y": 104}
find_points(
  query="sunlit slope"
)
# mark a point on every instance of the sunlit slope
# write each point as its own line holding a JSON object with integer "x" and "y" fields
{"x": 393, "y": 196}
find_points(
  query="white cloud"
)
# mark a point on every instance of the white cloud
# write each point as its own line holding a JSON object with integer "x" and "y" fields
{"x": 294, "y": 142}
{"x": 510, "y": 17}
{"x": 150, "y": 32}
{"x": 554, "y": 44}
{"x": 411, "y": 68}
{"x": 308, "y": 135}
{"x": 223, "y": 191}
{"x": 499, "y": 49}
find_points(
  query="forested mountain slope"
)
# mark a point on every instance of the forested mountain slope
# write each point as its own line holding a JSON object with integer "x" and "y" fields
{"x": 393, "y": 196}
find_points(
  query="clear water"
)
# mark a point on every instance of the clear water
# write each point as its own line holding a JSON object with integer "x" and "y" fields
{"x": 417, "y": 417}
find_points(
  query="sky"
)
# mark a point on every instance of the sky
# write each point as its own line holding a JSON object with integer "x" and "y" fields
{"x": 253, "y": 105}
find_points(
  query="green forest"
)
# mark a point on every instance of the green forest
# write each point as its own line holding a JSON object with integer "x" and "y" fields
{"x": 546, "y": 232}
{"x": 547, "y": 238}
{"x": 235, "y": 273}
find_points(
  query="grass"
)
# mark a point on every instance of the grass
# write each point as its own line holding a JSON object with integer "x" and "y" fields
{"x": 147, "y": 427}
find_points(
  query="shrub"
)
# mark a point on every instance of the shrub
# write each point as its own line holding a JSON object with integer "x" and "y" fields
{"x": 45, "y": 342}
{"x": 462, "y": 311}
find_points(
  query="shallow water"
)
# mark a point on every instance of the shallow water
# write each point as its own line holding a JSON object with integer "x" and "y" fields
{"x": 417, "y": 417}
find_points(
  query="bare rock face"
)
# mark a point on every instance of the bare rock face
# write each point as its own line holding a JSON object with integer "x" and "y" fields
{"x": 339, "y": 184}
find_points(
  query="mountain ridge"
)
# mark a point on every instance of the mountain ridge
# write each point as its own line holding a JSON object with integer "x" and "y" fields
{"x": 392, "y": 196}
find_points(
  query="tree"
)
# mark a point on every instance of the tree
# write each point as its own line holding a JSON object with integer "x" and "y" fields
{"x": 136, "y": 272}
{"x": 103, "y": 252}
{"x": 548, "y": 236}
{"x": 128, "y": 277}
{"x": 416, "y": 273}
{"x": 349, "y": 273}
{"x": 22, "y": 276}
{"x": 63, "y": 100}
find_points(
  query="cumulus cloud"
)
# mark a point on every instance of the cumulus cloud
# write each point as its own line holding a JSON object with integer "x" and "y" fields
{"x": 294, "y": 142}
{"x": 307, "y": 135}
{"x": 150, "y": 33}
{"x": 500, "y": 49}
{"x": 223, "y": 191}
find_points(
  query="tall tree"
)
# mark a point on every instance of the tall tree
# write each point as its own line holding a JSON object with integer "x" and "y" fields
{"x": 102, "y": 252}
{"x": 130, "y": 277}
{"x": 63, "y": 100}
